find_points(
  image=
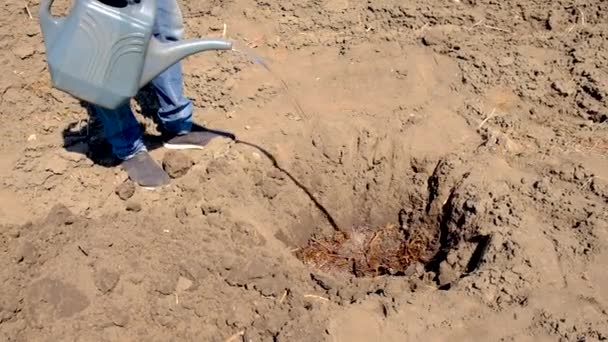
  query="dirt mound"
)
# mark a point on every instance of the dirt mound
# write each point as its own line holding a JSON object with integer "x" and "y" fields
{"x": 420, "y": 170}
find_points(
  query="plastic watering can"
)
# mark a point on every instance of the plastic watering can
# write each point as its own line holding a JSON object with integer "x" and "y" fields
{"x": 104, "y": 55}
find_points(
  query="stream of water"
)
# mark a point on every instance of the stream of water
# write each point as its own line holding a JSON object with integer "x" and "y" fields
{"x": 246, "y": 53}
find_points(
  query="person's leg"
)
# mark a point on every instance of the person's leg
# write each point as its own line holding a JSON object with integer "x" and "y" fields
{"x": 175, "y": 113}
{"x": 124, "y": 134}
{"x": 121, "y": 129}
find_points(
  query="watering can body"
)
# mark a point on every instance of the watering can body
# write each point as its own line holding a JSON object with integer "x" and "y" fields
{"x": 104, "y": 55}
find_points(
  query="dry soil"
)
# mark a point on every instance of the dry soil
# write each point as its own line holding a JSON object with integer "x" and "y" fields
{"x": 472, "y": 130}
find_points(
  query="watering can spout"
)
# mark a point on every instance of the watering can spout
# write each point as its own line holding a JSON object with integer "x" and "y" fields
{"x": 162, "y": 56}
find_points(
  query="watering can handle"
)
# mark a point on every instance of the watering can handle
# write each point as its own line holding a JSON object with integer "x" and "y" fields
{"x": 49, "y": 23}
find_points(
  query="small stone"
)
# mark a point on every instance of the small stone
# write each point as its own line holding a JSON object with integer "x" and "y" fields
{"x": 24, "y": 51}
{"x": 177, "y": 164}
{"x": 506, "y": 61}
{"x": 541, "y": 186}
{"x": 26, "y": 252}
{"x": 215, "y": 25}
{"x": 414, "y": 270}
{"x": 446, "y": 274}
{"x": 395, "y": 287}
{"x": 32, "y": 137}
{"x": 433, "y": 37}
{"x": 32, "y": 30}
{"x": 270, "y": 189}
{"x": 120, "y": 318}
{"x": 579, "y": 173}
{"x": 452, "y": 259}
{"x": 247, "y": 127}
{"x": 125, "y": 190}
{"x": 166, "y": 285}
{"x": 325, "y": 282}
{"x": 216, "y": 11}
{"x": 256, "y": 156}
{"x": 133, "y": 206}
{"x": 564, "y": 88}
{"x": 136, "y": 278}
{"x": 106, "y": 280}
{"x": 15, "y": 233}
{"x": 183, "y": 284}
{"x": 599, "y": 187}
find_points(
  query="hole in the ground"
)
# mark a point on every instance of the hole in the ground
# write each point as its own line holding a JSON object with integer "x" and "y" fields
{"x": 390, "y": 249}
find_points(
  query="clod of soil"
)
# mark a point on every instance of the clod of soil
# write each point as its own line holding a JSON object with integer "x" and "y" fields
{"x": 133, "y": 206}
{"x": 125, "y": 190}
{"x": 177, "y": 164}
{"x": 106, "y": 280}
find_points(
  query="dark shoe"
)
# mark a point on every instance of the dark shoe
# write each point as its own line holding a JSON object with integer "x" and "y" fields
{"x": 143, "y": 170}
{"x": 197, "y": 138}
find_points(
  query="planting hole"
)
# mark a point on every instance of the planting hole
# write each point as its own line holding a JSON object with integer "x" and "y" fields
{"x": 390, "y": 249}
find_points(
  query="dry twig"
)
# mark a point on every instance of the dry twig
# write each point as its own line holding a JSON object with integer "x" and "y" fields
{"x": 487, "y": 118}
{"x": 587, "y": 182}
{"x": 480, "y": 23}
{"x": 283, "y": 297}
{"x": 496, "y": 28}
{"x": 476, "y": 24}
{"x": 236, "y": 336}
{"x": 316, "y": 297}
{"x": 27, "y": 9}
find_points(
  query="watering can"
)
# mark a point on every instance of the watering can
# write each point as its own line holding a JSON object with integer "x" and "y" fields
{"x": 104, "y": 54}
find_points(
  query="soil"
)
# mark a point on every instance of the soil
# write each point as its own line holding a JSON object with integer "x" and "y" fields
{"x": 479, "y": 125}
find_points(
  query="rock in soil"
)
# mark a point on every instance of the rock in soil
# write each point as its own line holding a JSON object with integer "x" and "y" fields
{"x": 125, "y": 190}
{"x": 106, "y": 280}
{"x": 177, "y": 164}
{"x": 133, "y": 206}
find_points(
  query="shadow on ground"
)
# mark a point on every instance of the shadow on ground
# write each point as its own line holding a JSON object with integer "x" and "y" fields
{"x": 87, "y": 137}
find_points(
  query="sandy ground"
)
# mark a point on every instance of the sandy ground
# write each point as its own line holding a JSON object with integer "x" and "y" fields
{"x": 477, "y": 126}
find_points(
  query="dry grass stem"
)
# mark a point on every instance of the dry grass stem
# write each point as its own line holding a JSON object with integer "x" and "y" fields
{"x": 421, "y": 30}
{"x": 316, "y": 297}
{"x": 487, "y": 118}
{"x": 283, "y": 297}
{"x": 480, "y": 23}
{"x": 476, "y": 24}
{"x": 236, "y": 336}
{"x": 587, "y": 182}
{"x": 27, "y": 9}
{"x": 582, "y": 16}
{"x": 496, "y": 28}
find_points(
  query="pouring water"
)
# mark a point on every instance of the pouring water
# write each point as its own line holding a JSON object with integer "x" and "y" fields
{"x": 259, "y": 61}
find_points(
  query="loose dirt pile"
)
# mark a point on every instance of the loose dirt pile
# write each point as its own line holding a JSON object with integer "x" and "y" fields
{"x": 436, "y": 170}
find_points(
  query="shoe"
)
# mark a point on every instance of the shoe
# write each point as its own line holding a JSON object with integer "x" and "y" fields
{"x": 197, "y": 138}
{"x": 143, "y": 170}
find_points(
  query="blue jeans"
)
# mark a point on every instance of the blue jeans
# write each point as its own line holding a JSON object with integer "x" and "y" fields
{"x": 120, "y": 126}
